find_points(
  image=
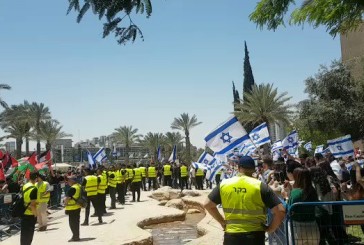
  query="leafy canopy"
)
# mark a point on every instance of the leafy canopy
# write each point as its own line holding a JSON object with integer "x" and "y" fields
{"x": 337, "y": 16}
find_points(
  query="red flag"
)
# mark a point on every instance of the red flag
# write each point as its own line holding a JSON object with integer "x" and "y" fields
{"x": 6, "y": 161}
{"x": 2, "y": 175}
{"x": 33, "y": 159}
{"x": 14, "y": 162}
{"x": 2, "y": 154}
{"x": 27, "y": 174}
{"x": 46, "y": 156}
{"x": 39, "y": 166}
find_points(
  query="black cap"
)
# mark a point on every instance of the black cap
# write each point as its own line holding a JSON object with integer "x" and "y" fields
{"x": 247, "y": 162}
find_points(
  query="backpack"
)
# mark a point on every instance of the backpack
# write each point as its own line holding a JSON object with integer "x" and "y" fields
{"x": 17, "y": 209}
{"x": 82, "y": 200}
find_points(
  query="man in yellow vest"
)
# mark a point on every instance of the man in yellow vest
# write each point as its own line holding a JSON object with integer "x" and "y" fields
{"x": 101, "y": 190}
{"x": 73, "y": 210}
{"x": 118, "y": 182}
{"x": 152, "y": 177}
{"x": 129, "y": 169}
{"x": 167, "y": 175}
{"x": 124, "y": 176}
{"x": 42, "y": 200}
{"x": 90, "y": 184}
{"x": 112, "y": 186}
{"x": 199, "y": 178}
{"x": 29, "y": 218}
{"x": 244, "y": 200}
{"x": 184, "y": 176}
{"x": 136, "y": 182}
{"x": 144, "y": 174}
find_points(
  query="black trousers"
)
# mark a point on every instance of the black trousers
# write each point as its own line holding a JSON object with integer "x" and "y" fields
{"x": 102, "y": 199}
{"x": 144, "y": 184}
{"x": 251, "y": 238}
{"x": 199, "y": 182}
{"x": 208, "y": 184}
{"x": 27, "y": 226}
{"x": 135, "y": 187}
{"x": 97, "y": 205}
{"x": 112, "y": 191}
{"x": 74, "y": 222}
{"x": 218, "y": 179}
{"x": 121, "y": 197}
{"x": 119, "y": 191}
{"x": 152, "y": 183}
{"x": 168, "y": 180}
{"x": 183, "y": 183}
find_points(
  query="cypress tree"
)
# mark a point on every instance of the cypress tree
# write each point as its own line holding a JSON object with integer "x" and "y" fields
{"x": 236, "y": 97}
{"x": 248, "y": 73}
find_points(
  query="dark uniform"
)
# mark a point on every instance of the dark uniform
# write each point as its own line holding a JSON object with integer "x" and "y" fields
{"x": 73, "y": 211}
{"x": 90, "y": 183}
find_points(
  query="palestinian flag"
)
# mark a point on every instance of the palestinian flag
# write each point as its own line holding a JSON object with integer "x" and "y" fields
{"x": 46, "y": 156}
{"x": 32, "y": 159}
{"x": 6, "y": 161}
{"x": 2, "y": 175}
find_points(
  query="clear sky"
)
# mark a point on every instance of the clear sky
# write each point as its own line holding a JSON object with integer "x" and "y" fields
{"x": 192, "y": 52}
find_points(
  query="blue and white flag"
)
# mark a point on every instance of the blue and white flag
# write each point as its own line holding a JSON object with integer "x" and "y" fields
{"x": 114, "y": 153}
{"x": 91, "y": 161}
{"x": 260, "y": 135}
{"x": 326, "y": 151}
{"x": 290, "y": 143}
{"x": 221, "y": 158}
{"x": 341, "y": 147}
{"x": 159, "y": 154}
{"x": 213, "y": 170}
{"x": 277, "y": 146}
{"x": 197, "y": 165}
{"x": 173, "y": 156}
{"x": 206, "y": 158}
{"x": 100, "y": 155}
{"x": 247, "y": 148}
{"x": 308, "y": 146}
{"x": 227, "y": 136}
{"x": 319, "y": 149}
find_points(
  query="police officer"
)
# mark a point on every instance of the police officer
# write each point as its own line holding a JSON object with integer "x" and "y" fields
{"x": 199, "y": 178}
{"x": 184, "y": 176}
{"x": 245, "y": 200}
{"x": 130, "y": 171}
{"x": 167, "y": 175}
{"x": 29, "y": 218}
{"x": 112, "y": 186}
{"x": 90, "y": 184}
{"x": 152, "y": 177}
{"x": 218, "y": 177}
{"x": 144, "y": 174}
{"x": 124, "y": 175}
{"x": 118, "y": 182}
{"x": 42, "y": 200}
{"x": 101, "y": 190}
{"x": 136, "y": 183}
{"x": 73, "y": 210}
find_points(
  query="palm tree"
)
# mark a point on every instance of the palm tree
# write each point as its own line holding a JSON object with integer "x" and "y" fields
{"x": 172, "y": 139}
{"x": 264, "y": 104}
{"x": 38, "y": 113}
{"x": 50, "y": 132}
{"x": 128, "y": 136}
{"x": 185, "y": 124}
{"x": 152, "y": 141}
{"x": 4, "y": 87}
{"x": 16, "y": 131}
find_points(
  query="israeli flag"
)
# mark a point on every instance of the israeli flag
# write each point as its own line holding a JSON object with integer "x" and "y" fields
{"x": 227, "y": 136}
{"x": 326, "y": 151}
{"x": 206, "y": 158}
{"x": 308, "y": 146}
{"x": 100, "y": 155}
{"x": 277, "y": 146}
{"x": 159, "y": 154}
{"x": 213, "y": 170}
{"x": 221, "y": 158}
{"x": 260, "y": 135}
{"x": 290, "y": 143}
{"x": 91, "y": 161}
{"x": 319, "y": 149}
{"x": 173, "y": 156}
{"x": 247, "y": 148}
{"x": 197, "y": 165}
{"x": 341, "y": 147}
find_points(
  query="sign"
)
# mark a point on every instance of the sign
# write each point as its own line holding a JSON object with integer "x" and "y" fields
{"x": 8, "y": 199}
{"x": 353, "y": 214}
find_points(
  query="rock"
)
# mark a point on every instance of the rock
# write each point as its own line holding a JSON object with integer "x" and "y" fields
{"x": 174, "y": 194}
{"x": 165, "y": 193}
{"x": 163, "y": 202}
{"x": 193, "y": 211}
{"x": 176, "y": 203}
{"x": 190, "y": 193}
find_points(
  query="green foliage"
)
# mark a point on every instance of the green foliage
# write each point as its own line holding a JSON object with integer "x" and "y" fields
{"x": 264, "y": 104}
{"x": 337, "y": 16}
{"x": 128, "y": 136}
{"x": 4, "y": 87}
{"x": 152, "y": 141}
{"x": 51, "y": 130}
{"x": 248, "y": 74}
{"x": 335, "y": 104}
{"x": 116, "y": 15}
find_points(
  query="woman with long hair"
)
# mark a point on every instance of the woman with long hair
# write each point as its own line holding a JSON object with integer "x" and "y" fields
{"x": 303, "y": 218}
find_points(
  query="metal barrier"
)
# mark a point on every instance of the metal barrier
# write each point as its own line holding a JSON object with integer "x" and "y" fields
{"x": 316, "y": 223}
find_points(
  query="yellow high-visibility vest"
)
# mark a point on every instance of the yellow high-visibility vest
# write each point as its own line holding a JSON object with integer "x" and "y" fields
{"x": 130, "y": 173}
{"x": 152, "y": 173}
{"x": 142, "y": 170}
{"x": 91, "y": 185}
{"x": 199, "y": 172}
{"x": 42, "y": 188}
{"x": 112, "y": 181}
{"x": 242, "y": 204}
{"x": 102, "y": 185}
{"x": 167, "y": 170}
{"x": 137, "y": 175}
{"x": 118, "y": 176}
{"x": 72, "y": 205}
{"x": 184, "y": 171}
{"x": 26, "y": 197}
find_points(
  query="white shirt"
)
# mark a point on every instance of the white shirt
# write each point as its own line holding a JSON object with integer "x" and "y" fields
{"x": 336, "y": 168}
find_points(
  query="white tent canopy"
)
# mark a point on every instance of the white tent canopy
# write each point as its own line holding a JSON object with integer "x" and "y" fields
{"x": 61, "y": 166}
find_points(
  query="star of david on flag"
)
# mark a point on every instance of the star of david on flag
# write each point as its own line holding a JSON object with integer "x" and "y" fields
{"x": 277, "y": 146}
{"x": 206, "y": 158}
{"x": 341, "y": 147}
{"x": 227, "y": 136}
{"x": 308, "y": 146}
{"x": 260, "y": 135}
{"x": 290, "y": 143}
